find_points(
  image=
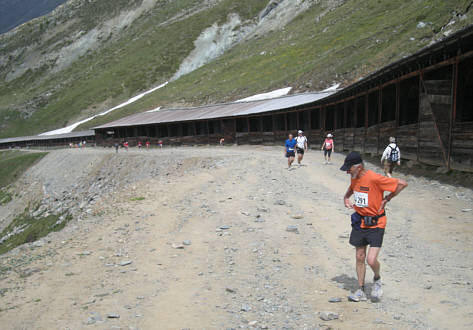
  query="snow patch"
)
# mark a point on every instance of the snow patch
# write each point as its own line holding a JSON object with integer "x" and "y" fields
{"x": 266, "y": 96}
{"x": 154, "y": 110}
{"x": 70, "y": 128}
{"x": 332, "y": 88}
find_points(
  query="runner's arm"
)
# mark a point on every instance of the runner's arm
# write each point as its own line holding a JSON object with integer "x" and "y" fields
{"x": 401, "y": 184}
{"x": 385, "y": 154}
{"x": 346, "y": 198}
{"x": 305, "y": 144}
{"x": 323, "y": 145}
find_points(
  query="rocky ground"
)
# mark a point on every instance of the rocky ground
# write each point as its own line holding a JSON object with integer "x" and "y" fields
{"x": 212, "y": 238}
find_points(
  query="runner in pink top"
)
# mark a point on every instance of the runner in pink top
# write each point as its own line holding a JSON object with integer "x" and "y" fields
{"x": 328, "y": 147}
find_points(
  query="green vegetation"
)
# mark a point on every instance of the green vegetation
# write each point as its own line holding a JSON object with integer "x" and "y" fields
{"x": 5, "y": 197}
{"x": 14, "y": 163}
{"x": 134, "y": 199}
{"x": 33, "y": 229}
{"x": 347, "y": 43}
{"x": 146, "y": 55}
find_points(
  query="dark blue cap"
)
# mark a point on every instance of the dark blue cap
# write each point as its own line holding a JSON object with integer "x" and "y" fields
{"x": 353, "y": 158}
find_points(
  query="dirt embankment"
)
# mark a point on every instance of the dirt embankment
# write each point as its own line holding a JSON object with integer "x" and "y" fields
{"x": 197, "y": 238}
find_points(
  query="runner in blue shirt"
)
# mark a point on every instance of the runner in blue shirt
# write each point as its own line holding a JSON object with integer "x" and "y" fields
{"x": 289, "y": 150}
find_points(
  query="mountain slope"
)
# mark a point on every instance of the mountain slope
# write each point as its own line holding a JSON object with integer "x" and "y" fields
{"x": 127, "y": 47}
{"x": 16, "y": 12}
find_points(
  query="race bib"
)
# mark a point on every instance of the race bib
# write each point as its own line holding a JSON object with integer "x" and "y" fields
{"x": 361, "y": 199}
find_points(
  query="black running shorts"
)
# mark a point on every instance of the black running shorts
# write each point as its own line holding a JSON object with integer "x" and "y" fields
{"x": 327, "y": 152}
{"x": 290, "y": 154}
{"x": 367, "y": 236}
{"x": 300, "y": 151}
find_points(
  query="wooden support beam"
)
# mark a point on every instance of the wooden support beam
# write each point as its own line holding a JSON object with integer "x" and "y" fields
{"x": 453, "y": 113}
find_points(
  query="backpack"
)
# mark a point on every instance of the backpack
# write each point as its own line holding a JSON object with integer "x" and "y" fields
{"x": 394, "y": 155}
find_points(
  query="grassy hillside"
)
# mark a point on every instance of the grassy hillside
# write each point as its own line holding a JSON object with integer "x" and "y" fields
{"x": 145, "y": 55}
{"x": 346, "y": 44}
{"x": 14, "y": 163}
{"x": 313, "y": 51}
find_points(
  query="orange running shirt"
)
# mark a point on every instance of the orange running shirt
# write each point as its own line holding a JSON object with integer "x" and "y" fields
{"x": 369, "y": 193}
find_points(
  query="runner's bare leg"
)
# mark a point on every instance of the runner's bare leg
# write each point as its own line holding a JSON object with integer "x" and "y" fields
{"x": 372, "y": 260}
{"x": 360, "y": 264}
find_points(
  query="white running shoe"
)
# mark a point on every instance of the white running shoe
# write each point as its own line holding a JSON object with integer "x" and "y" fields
{"x": 377, "y": 290}
{"x": 359, "y": 295}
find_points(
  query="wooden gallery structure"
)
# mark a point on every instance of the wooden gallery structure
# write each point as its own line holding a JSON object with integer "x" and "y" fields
{"x": 424, "y": 100}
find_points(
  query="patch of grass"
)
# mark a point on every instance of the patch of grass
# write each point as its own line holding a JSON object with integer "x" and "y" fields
{"x": 34, "y": 229}
{"x": 5, "y": 197}
{"x": 13, "y": 163}
{"x": 140, "y": 198}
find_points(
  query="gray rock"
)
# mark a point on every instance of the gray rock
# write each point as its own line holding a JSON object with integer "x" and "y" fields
{"x": 280, "y": 202}
{"x": 230, "y": 290}
{"x": 126, "y": 262}
{"x": 113, "y": 315}
{"x": 186, "y": 242}
{"x": 328, "y": 316}
{"x": 177, "y": 246}
{"x": 297, "y": 216}
{"x": 466, "y": 210}
{"x": 245, "y": 308}
{"x": 292, "y": 229}
{"x": 38, "y": 244}
{"x": 225, "y": 227}
{"x": 95, "y": 317}
{"x": 259, "y": 220}
{"x": 335, "y": 300}
{"x": 85, "y": 253}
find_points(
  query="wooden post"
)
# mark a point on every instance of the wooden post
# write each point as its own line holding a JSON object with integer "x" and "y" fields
{"x": 380, "y": 116}
{"x": 421, "y": 86}
{"x": 453, "y": 113}
{"x": 398, "y": 103}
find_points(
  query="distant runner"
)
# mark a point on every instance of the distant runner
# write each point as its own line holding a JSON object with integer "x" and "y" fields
{"x": 160, "y": 144}
{"x": 369, "y": 220}
{"x": 147, "y": 145}
{"x": 125, "y": 144}
{"x": 289, "y": 150}
{"x": 140, "y": 145}
{"x": 391, "y": 157}
{"x": 116, "y": 147}
{"x": 328, "y": 147}
{"x": 301, "y": 146}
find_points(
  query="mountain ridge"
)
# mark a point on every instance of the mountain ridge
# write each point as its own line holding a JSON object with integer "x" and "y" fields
{"x": 16, "y": 12}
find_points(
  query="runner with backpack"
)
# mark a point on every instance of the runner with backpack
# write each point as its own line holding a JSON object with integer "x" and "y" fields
{"x": 391, "y": 157}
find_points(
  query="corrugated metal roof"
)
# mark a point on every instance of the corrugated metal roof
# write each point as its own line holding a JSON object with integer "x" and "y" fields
{"x": 48, "y": 137}
{"x": 234, "y": 109}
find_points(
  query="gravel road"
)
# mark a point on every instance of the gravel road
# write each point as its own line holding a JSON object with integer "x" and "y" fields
{"x": 216, "y": 238}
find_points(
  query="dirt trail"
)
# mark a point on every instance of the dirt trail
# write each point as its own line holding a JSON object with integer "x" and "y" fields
{"x": 239, "y": 266}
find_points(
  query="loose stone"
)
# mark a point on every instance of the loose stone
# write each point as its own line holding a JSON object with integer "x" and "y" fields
{"x": 328, "y": 316}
